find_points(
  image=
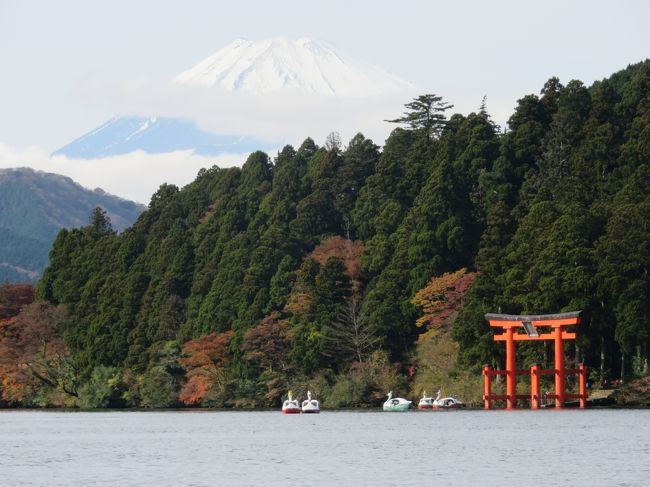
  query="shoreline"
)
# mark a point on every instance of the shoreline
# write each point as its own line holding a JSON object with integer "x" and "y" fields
{"x": 377, "y": 409}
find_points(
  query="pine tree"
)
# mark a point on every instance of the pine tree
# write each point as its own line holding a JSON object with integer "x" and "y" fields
{"x": 425, "y": 114}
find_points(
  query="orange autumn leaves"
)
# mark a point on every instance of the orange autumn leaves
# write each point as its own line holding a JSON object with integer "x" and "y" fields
{"x": 442, "y": 297}
{"x": 16, "y": 380}
{"x": 265, "y": 347}
{"x": 14, "y": 297}
{"x": 203, "y": 359}
{"x": 33, "y": 353}
{"x": 349, "y": 251}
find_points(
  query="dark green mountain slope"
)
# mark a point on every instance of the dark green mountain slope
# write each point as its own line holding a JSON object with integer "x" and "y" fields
{"x": 34, "y": 206}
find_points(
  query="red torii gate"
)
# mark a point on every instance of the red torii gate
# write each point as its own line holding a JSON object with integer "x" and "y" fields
{"x": 530, "y": 324}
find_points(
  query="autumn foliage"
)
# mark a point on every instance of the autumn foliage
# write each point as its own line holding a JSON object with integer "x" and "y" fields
{"x": 442, "y": 297}
{"x": 33, "y": 353}
{"x": 15, "y": 377}
{"x": 195, "y": 389}
{"x": 268, "y": 344}
{"x": 13, "y": 298}
{"x": 203, "y": 360}
{"x": 298, "y": 302}
{"x": 349, "y": 251}
{"x": 267, "y": 349}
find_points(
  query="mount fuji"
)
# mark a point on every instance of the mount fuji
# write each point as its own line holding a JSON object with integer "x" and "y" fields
{"x": 254, "y": 69}
{"x": 295, "y": 66}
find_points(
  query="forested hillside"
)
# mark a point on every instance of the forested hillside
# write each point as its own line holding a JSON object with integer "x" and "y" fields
{"x": 300, "y": 270}
{"x": 34, "y": 206}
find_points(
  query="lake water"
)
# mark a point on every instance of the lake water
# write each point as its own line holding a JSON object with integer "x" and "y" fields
{"x": 209, "y": 448}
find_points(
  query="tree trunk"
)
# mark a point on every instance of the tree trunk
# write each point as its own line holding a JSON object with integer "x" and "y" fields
{"x": 602, "y": 359}
{"x": 498, "y": 378}
{"x": 622, "y": 365}
{"x": 547, "y": 353}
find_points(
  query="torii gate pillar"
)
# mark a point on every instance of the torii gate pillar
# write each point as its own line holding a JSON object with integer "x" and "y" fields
{"x": 511, "y": 370}
{"x": 559, "y": 368}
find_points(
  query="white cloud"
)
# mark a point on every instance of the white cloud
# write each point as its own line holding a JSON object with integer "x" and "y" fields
{"x": 276, "y": 118}
{"x": 135, "y": 176}
{"x": 280, "y": 117}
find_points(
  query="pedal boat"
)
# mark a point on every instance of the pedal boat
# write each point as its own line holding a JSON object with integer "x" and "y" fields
{"x": 396, "y": 403}
{"x": 291, "y": 405}
{"x": 309, "y": 405}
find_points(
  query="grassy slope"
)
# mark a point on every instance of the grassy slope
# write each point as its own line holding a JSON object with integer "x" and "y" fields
{"x": 438, "y": 368}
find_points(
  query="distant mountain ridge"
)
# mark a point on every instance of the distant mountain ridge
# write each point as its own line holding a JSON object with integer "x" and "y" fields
{"x": 35, "y": 205}
{"x": 155, "y": 135}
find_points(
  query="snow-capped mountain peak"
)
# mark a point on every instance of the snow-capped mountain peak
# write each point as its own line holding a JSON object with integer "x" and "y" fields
{"x": 280, "y": 64}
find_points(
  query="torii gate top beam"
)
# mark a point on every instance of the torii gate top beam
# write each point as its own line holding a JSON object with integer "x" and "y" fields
{"x": 516, "y": 321}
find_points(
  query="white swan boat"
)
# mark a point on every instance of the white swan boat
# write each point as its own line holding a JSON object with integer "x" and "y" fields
{"x": 446, "y": 402}
{"x": 439, "y": 402}
{"x": 291, "y": 405}
{"x": 310, "y": 405}
{"x": 396, "y": 403}
{"x": 426, "y": 402}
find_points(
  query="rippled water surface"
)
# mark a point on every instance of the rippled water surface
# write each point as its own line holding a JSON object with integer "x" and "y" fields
{"x": 460, "y": 448}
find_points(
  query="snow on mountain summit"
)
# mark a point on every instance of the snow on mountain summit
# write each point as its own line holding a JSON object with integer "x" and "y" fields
{"x": 277, "y": 65}
{"x": 284, "y": 65}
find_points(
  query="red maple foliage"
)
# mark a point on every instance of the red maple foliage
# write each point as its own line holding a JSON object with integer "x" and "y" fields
{"x": 195, "y": 389}
{"x": 267, "y": 345}
{"x": 33, "y": 353}
{"x": 442, "y": 297}
{"x": 208, "y": 351}
{"x": 203, "y": 359}
{"x": 13, "y": 298}
{"x": 349, "y": 251}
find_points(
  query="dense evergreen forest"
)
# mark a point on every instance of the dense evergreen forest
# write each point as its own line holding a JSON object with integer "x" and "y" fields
{"x": 313, "y": 268}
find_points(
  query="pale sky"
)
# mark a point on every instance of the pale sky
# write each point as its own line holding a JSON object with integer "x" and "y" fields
{"x": 67, "y": 66}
